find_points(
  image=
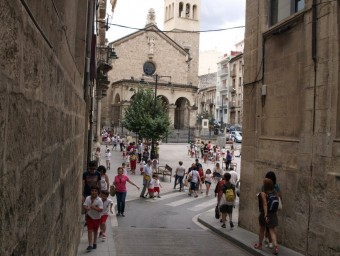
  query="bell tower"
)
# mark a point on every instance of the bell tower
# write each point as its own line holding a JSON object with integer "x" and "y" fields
{"x": 184, "y": 15}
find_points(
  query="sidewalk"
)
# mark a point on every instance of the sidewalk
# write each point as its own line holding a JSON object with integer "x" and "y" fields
{"x": 171, "y": 155}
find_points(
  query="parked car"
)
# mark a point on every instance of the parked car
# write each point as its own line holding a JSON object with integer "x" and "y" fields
{"x": 236, "y": 136}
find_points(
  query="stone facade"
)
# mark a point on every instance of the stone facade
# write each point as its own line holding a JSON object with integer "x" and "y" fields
{"x": 291, "y": 121}
{"x": 42, "y": 117}
{"x": 175, "y": 57}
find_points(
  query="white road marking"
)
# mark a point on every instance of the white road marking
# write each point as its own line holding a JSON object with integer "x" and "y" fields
{"x": 167, "y": 196}
{"x": 183, "y": 201}
{"x": 201, "y": 206}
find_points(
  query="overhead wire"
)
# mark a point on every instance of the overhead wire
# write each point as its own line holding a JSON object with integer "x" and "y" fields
{"x": 176, "y": 31}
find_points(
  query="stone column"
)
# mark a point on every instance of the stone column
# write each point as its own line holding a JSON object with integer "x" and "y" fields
{"x": 192, "y": 116}
{"x": 171, "y": 112}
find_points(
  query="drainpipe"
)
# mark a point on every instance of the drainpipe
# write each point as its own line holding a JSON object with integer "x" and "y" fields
{"x": 87, "y": 91}
{"x": 314, "y": 57}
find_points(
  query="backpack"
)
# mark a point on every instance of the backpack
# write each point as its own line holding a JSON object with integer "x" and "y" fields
{"x": 230, "y": 195}
{"x": 272, "y": 202}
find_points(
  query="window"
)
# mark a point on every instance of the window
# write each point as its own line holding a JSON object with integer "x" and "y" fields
{"x": 281, "y": 9}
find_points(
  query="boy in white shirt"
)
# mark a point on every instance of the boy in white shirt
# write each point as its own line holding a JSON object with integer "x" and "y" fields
{"x": 151, "y": 188}
{"x": 107, "y": 158}
{"x": 107, "y": 207}
{"x": 157, "y": 185}
{"x": 94, "y": 206}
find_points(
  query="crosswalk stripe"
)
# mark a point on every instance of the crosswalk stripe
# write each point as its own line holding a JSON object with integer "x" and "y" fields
{"x": 183, "y": 201}
{"x": 167, "y": 196}
{"x": 201, "y": 206}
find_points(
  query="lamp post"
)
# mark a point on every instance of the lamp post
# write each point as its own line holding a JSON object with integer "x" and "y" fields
{"x": 156, "y": 77}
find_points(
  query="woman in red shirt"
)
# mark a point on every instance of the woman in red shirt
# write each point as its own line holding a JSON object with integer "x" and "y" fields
{"x": 120, "y": 183}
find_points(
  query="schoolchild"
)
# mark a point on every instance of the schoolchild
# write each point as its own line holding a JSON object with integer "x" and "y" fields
{"x": 227, "y": 200}
{"x": 93, "y": 206}
{"x": 267, "y": 217}
{"x": 107, "y": 207}
{"x": 107, "y": 158}
{"x": 208, "y": 178}
{"x": 151, "y": 188}
{"x": 157, "y": 185}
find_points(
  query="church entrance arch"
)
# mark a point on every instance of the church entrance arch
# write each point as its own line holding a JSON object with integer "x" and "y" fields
{"x": 182, "y": 113}
{"x": 116, "y": 110}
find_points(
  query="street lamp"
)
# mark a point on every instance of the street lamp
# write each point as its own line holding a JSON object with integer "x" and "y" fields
{"x": 156, "y": 77}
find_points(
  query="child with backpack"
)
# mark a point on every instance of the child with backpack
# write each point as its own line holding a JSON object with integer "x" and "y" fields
{"x": 268, "y": 206}
{"x": 227, "y": 200}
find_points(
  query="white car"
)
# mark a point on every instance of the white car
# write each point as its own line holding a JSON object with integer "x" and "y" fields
{"x": 236, "y": 136}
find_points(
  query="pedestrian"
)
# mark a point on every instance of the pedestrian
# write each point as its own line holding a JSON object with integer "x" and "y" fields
{"x": 271, "y": 175}
{"x": 154, "y": 166}
{"x": 107, "y": 158}
{"x": 195, "y": 180}
{"x": 91, "y": 178}
{"x": 217, "y": 172}
{"x": 107, "y": 208}
{"x": 267, "y": 217}
{"x": 228, "y": 160}
{"x": 114, "y": 143}
{"x": 139, "y": 150}
{"x": 201, "y": 174}
{"x": 146, "y": 177}
{"x": 133, "y": 161}
{"x": 218, "y": 194}
{"x": 208, "y": 178}
{"x": 141, "y": 167}
{"x": 234, "y": 176}
{"x": 93, "y": 206}
{"x": 157, "y": 185}
{"x": 146, "y": 155}
{"x": 120, "y": 184}
{"x": 202, "y": 149}
{"x": 151, "y": 187}
{"x": 227, "y": 200}
{"x": 121, "y": 144}
{"x": 179, "y": 175}
{"x": 104, "y": 179}
{"x": 97, "y": 155}
{"x": 206, "y": 153}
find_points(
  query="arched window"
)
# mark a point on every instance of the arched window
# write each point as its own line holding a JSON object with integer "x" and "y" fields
{"x": 180, "y": 9}
{"x": 194, "y": 12}
{"x": 187, "y": 11}
{"x": 166, "y": 13}
{"x": 172, "y": 10}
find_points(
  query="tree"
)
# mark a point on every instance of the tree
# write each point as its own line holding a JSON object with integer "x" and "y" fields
{"x": 140, "y": 118}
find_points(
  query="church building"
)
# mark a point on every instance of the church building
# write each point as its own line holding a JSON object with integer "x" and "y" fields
{"x": 151, "y": 58}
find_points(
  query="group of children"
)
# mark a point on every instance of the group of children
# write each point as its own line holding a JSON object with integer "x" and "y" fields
{"x": 208, "y": 151}
{"x": 97, "y": 211}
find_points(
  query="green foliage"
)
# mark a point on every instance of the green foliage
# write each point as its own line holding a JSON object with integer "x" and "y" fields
{"x": 139, "y": 117}
{"x": 205, "y": 115}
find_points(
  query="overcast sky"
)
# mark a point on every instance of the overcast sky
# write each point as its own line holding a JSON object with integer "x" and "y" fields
{"x": 215, "y": 14}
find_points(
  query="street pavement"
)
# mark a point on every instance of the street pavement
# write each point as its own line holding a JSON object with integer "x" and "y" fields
{"x": 170, "y": 154}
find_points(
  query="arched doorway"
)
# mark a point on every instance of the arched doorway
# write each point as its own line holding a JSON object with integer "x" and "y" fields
{"x": 182, "y": 113}
{"x": 116, "y": 111}
{"x": 164, "y": 100}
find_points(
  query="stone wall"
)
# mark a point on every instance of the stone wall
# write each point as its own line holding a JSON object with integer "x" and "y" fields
{"x": 41, "y": 126}
{"x": 293, "y": 129}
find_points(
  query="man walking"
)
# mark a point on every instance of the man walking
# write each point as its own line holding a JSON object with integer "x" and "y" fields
{"x": 146, "y": 177}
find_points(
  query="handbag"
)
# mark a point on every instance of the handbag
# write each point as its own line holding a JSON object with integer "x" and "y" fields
{"x": 112, "y": 190}
{"x": 146, "y": 177}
